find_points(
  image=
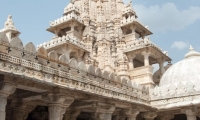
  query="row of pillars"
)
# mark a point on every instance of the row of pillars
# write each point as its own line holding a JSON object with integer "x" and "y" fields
{"x": 58, "y": 105}
{"x": 132, "y": 56}
{"x": 72, "y": 28}
{"x": 146, "y": 61}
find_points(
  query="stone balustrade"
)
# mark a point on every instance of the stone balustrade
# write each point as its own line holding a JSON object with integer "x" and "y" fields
{"x": 175, "y": 90}
{"x": 71, "y": 8}
{"x": 52, "y": 69}
{"x": 130, "y": 20}
{"x": 64, "y": 39}
{"x": 137, "y": 44}
{"x": 65, "y": 19}
{"x": 176, "y": 94}
{"x": 128, "y": 10}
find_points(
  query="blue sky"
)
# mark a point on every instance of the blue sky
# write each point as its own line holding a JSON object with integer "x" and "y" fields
{"x": 175, "y": 24}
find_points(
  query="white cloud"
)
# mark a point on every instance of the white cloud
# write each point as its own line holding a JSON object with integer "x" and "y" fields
{"x": 179, "y": 45}
{"x": 161, "y": 18}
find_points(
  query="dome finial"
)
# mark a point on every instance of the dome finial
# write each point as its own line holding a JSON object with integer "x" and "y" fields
{"x": 191, "y": 48}
{"x": 192, "y": 52}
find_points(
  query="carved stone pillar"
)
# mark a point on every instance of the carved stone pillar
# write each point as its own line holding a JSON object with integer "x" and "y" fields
{"x": 131, "y": 114}
{"x": 191, "y": 114}
{"x": 104, "y": 111}
{"x": 133, "y": 28}
{"x": 6, "y": 89}
{"x": 3, "y": 102}
{"x": 56, "y": 112}
{"x": 79, "y": 55}
{"x": 146, "y": 58}
{"x": 72, "y": 27}
{"x": 149, "y": 115}
{"x": 105, "y": 116}
{"x": 161, "y": 65}
{"x": 67, "y": 51}
{"x": 130, "y": 61}
{"x": 17, "y": 110}
{"x": 56, "y": 31}
{"x": 57, "y": 103}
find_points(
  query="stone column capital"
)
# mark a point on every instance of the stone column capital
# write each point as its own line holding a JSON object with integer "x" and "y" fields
{"x": 58, "y": 103}
{"x": 105, "y": 108}
{"x": 146, "y": 54}
{"x": 131, "y": 114}
{"x": 104, "y": 111}
{"x": 58, "y": 99}
{"x": 149, "y": 115}
{"x": 146, "y": 57}
{"x": 131, "y": 56}
{"x": 190, "y": 113}
{"x": 7, "y": 87}
{"x": 159, "y": 60}
{"x": 56, "y": 112}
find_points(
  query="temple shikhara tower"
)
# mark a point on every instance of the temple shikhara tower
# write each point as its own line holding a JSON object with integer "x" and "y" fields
{"x": 97, "y": 66}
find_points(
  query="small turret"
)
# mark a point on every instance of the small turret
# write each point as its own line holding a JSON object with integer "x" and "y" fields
{"x": 9, "y": 28}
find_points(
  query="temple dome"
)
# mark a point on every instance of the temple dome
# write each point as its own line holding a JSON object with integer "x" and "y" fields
{"x": 183, "y": 71}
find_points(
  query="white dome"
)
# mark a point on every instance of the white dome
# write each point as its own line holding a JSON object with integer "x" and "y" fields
{"x": 186, "y": 70}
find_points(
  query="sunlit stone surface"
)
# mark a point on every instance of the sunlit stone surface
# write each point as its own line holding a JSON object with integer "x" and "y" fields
{"x": 97, "y": 66}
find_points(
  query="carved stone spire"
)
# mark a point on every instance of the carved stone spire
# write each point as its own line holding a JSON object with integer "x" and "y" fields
{"x": 9, "y": 28}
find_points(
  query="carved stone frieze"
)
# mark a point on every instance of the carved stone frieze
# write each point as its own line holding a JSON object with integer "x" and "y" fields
{"x": 72, "y": 82}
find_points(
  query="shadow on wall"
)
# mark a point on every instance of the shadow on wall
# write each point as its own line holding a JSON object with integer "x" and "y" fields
{"x": 40, "y": 113}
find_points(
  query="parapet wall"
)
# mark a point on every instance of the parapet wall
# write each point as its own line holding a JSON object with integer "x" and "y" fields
{"x": 176, "y": 95}
{"x": 36, "y": 64}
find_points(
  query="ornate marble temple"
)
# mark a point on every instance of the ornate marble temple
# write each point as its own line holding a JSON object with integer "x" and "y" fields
{"x": 98, "y": 66}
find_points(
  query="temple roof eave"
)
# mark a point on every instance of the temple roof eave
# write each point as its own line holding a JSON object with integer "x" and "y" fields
{"x": 139, "y": 27}
{"x": 63, "y": 44}
{"x": 153, "y": 48}
{"x": 63, "y": 25}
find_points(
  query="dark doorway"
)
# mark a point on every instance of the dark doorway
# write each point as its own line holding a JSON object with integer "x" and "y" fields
{"x": 180, "y": 117}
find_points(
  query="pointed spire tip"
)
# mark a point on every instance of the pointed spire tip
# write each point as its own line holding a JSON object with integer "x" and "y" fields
{"x": 191, "y": 48}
